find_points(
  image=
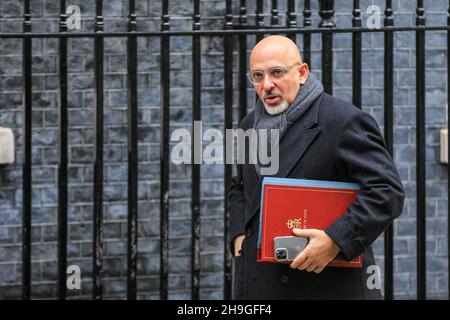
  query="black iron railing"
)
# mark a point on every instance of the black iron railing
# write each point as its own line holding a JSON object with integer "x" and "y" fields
{"x": 97, "y": 249}
{"x": 235, "y": 32}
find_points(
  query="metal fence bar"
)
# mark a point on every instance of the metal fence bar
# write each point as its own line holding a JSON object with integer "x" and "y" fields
{"x": 196, "y": 116}
{"x": 259, "y": 19}
{"x": 291, "y": 21}
{"x": 356, "y": 56}
{"x": 326, "y": 13}
{"x": 27, "y": 161}
{"x": 164, "y": 152}
{"x": 421, "y": 156}
{"x": 242, "y": 62}
{"x": 62, "y": 165}
{"x": 97, "y": 250}
{"x": 448, "y": 145}
{"x": 249, "y": 30}
{"x": 132, "y": 154}
{"x": 307, "y": 36}
{"x": 274, "y": 13}
{"x": 389, "y": 137}
{"x": 228, "y": 103}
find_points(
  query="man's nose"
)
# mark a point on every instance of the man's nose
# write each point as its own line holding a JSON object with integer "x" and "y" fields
{"x": 268, "y": 84}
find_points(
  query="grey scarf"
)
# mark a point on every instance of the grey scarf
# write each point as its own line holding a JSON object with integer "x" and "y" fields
{"x": 309, "y": 92}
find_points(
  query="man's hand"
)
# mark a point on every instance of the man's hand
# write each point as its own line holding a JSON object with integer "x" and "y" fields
{"x": 320, "y": 250}
{"x": 238, "y": 245}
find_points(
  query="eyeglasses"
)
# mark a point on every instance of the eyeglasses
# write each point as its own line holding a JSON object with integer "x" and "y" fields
{"x": 275, "y": 73}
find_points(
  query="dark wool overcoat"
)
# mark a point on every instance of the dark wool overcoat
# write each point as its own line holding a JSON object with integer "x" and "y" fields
{"x": 335, "y": 141}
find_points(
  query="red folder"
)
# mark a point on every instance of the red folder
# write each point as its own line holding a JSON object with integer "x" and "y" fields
{"x": 308, "y": 204}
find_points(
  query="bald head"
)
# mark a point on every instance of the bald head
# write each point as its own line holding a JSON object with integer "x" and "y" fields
{"x": 277, "y": 89}
{"x": 275, "y": 47}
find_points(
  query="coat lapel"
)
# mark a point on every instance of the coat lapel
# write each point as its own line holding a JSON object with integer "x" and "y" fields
{"x": 292, "y": 147}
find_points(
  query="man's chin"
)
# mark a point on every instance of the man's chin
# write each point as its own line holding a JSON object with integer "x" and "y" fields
{"x": 276, "y": 109}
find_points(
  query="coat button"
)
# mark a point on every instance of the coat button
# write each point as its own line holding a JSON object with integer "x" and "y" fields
{"x": 284, "y": 278}
{"x": 248, "y": 233}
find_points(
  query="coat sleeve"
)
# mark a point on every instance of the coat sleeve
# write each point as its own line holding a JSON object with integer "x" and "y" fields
{"x": 236, "y": 202}
{"x": 361, "y": 156}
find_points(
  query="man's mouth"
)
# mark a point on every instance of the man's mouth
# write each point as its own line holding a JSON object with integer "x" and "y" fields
{"x": 272, "y": 99}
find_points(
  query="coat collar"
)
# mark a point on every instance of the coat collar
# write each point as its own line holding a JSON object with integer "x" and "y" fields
{"x": 292, "y": 147}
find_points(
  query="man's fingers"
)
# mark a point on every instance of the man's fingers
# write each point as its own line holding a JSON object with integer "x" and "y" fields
{"x": 238, "y": 244}
{"x": 319, "y": 269}
{"x": 304, "y": 265}
{"x": 301, "y": 258}
{"x": 303, "y": 232}
{"x": 311, "y": 267}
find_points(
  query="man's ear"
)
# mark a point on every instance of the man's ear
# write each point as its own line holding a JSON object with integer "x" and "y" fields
{"x": 303, "y": 73}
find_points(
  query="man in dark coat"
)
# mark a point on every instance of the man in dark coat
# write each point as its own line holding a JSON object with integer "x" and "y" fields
{"x": 321, "y": 138}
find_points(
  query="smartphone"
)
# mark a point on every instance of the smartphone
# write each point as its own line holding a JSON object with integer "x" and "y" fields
{"x": 287, "y": 248}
